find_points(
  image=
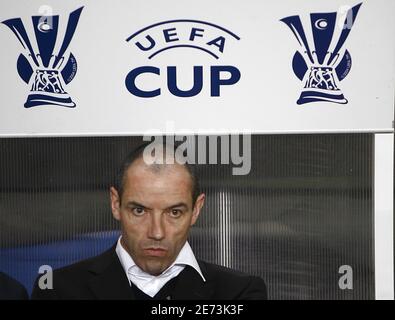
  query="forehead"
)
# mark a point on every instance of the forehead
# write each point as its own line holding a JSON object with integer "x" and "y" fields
{"x": 150, "y": 182}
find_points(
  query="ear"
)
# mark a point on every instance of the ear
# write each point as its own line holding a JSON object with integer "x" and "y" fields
{"x": 197, "y": 207}
{"x": 115, "y": 204}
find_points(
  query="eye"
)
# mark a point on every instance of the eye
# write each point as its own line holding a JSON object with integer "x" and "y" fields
{"x": 175, "y": 213}
{"x": 138, "y": 211}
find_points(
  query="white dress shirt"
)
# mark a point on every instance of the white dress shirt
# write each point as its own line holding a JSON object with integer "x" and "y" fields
{"x": 148, "y": 283}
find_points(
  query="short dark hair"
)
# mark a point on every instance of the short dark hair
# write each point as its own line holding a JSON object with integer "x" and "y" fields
{"x": 137, "y": 153}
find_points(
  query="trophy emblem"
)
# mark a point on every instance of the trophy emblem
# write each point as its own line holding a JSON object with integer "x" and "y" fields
{"x": 322, "y": 63}
{"x": 45, "y": 71}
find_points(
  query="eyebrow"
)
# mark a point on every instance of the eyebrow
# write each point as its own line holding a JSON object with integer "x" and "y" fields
{"x": 180, "y": 204}
{"x": 136, "y": 204}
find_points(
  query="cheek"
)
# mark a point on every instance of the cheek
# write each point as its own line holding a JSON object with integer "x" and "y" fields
{"x": 178, "y": 229}
{"x": 134, "y": 228}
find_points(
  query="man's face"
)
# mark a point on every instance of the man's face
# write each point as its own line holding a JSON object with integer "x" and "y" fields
{"x": 155, "y": 213}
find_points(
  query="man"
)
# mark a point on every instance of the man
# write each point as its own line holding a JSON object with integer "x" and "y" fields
{"x": 10, "y": 289}
{"x": 156, "y": 202}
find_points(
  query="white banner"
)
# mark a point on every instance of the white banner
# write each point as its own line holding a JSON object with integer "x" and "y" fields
{"x": 134, "y": 67}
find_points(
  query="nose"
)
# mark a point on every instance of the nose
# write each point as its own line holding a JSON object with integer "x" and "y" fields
{"x": 156, "y": 229}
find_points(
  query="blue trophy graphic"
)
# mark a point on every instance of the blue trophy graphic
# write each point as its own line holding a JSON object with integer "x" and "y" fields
{"x": 321, "y": 65}
{"x": 46, "y": 72}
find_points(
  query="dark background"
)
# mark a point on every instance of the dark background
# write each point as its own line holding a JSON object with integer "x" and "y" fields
{"x": 305, "y": 209}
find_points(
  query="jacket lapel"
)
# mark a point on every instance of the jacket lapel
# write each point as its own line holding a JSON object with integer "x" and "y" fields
{"x": 190, "y": 285}
{"x": 109, "y": 280}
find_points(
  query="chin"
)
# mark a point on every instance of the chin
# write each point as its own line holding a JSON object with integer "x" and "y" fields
{"x": 155, "y": 270}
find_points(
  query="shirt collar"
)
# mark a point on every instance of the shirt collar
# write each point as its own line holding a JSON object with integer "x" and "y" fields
{"x": 184, "y": 258}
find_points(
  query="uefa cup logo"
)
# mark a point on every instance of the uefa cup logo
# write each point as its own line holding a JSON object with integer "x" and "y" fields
{"x": 46, "y": 73}
{"x": 324, "y": 62}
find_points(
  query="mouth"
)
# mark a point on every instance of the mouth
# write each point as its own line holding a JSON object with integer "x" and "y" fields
{"x": 155, "y": 252}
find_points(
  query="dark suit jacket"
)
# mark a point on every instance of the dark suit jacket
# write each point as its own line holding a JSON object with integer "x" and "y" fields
{"x": 11, "y": 289}
{"x": 103, "y": 277}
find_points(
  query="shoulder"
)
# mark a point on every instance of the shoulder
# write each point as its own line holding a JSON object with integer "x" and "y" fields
{"x": 224, "y": 273}
{"x": 10, "y": 289}
{"x": 234, "y": 284}
{"x": 72, "y": 281}
{"x": 92, "y": 265}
